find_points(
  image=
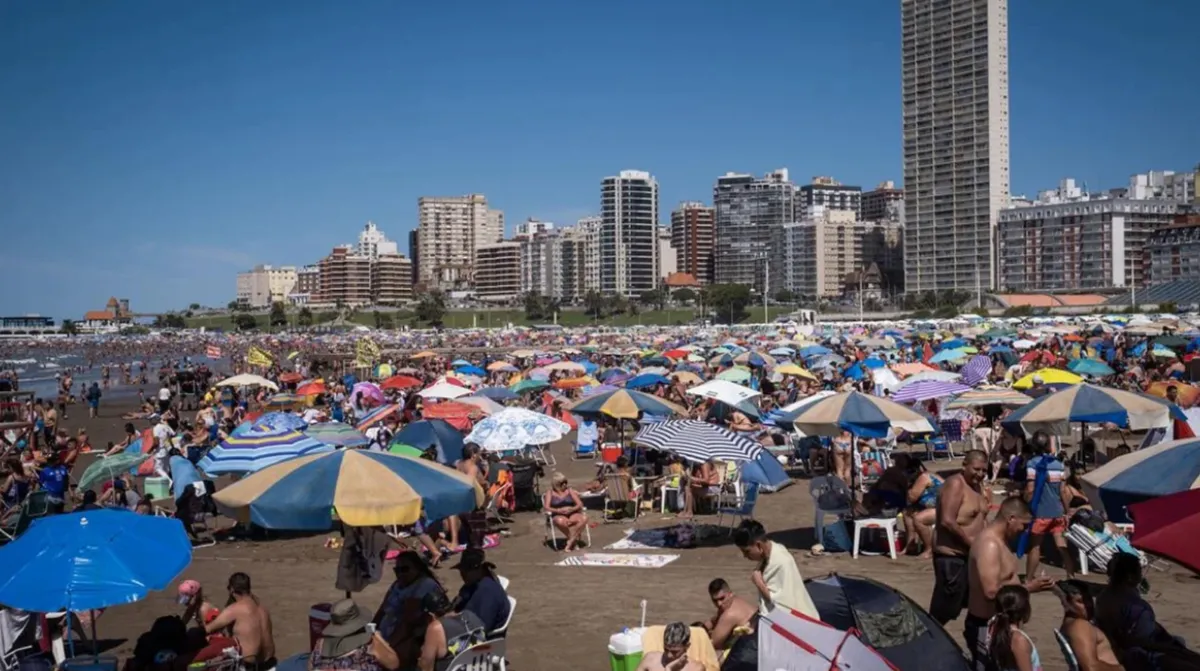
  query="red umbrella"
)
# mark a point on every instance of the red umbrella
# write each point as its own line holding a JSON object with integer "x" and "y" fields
{"x": 1168, "y": 526}
{"x": 677, "y": 354}
{"x": 449, "y": 410}
{"x": 401, "y": 382}
{"x": 311, "y": 388}
{"x": 288, "y": 378}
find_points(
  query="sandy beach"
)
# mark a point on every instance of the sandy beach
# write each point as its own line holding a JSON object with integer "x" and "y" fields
{"x": 565, "y": 615}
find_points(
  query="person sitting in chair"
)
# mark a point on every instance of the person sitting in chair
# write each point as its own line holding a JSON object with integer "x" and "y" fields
{"x": 676, "y": 639}
{"x": 566, "y": 510}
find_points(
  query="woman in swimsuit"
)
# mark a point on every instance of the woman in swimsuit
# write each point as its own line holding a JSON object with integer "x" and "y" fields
{"x": 565, "y": 509}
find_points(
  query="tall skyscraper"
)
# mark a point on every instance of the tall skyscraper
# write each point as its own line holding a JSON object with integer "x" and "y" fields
{"x": 451, "y": 229}
{"x": 750, "y": 212}
{"x": 629, "y": 233}
{"x": 692, "y": 229}
{"x": 372, "y": 242}
{"x": 956, "y": 170}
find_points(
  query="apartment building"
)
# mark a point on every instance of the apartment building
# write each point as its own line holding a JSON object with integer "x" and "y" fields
{"x": 629, "y": 263}
{"x": 451, "y": 229}
{"x": 817, "y": 254}
{"x": 693, "y": 227}
{"x": 265, "y": 285}
{"x": 345, "y": 278}
{"x": 956, "y": 139}
{"x": 588, "y": 228}
{"x": 749, "y": 213}
{"x": 883, "y": 203}
{"x": 830, "y": 193}
{"x": 391, "y": 279}
{"x": 1173, "y": 253}
{"x": 498, "y": 272}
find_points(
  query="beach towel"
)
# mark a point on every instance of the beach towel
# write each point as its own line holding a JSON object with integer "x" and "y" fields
{"x": 620, "y": 561}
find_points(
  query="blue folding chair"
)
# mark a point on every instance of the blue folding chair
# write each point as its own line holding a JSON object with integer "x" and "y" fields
{"x": 742, "y": 509}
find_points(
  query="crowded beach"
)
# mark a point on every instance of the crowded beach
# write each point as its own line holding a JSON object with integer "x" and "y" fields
{"x": 961, "y": 494}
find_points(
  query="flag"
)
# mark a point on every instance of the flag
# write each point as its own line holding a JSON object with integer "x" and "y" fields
{"x": 213, "y": 352}
{"x": 366, "y": 351}
{"x": 257, "y": 357}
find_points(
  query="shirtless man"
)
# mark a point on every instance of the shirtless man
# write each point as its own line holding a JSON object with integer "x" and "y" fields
{"x": 469, "y": 464}
{"x": 1092, "y": 648}
{"x": 991, "y": 565}
{"x": 676, "y": 639}
{"x": 251, "y": 623}
{"x": 961, "y": 512}
{"x": 732, "y": 612}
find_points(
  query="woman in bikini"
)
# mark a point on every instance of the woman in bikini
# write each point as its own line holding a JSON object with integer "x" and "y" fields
{"x": 566, "y": 510}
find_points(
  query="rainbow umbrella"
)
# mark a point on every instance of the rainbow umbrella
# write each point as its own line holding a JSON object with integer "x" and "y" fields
{"x": 375, "y": 416}
{"x": 363, "y": 488}
{"x": 337, "y": 434}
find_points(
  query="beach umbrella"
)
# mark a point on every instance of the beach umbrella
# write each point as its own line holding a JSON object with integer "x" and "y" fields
{"x": 754, "y": 359}
{"x": 94, "y": 559}
{"x": 528, "y": 385}
{"x": 500, "y": 394}
{"x": 314, "y": 388}
{"x": 1092, "y": 367}
{"x": 1048, "y": 376}
{"x": 678, "y": 353}
{"x": 376, "y": 415}
{"x": 499, "y": 366}
{"x": 438, "y": 433}
{"x": 736, "y": 374}
{"x": 1053, "y": 413}
{"x": 256, "y": 450}
{"x": 405, "y": 450}
{"x": 814, "y": 350}
{"x": 370, "y": 391}
{"x": 949, "y": 355}
{"x": 271, "y": 421}
{"x": 724, "y": 391}
{"x": 337, "y": 434}
{"x": 285, "y": 400}
{"x": 928, "y": 390}
{"x": 451, "y": 411}
{"x": 913, "y": 368}
{"x": 364, "y": 488}
{"x": 383, "y": 370}
{"x": 1169, "y": 526}
{"x": 1188, "y": 394}
{"x": 575, "y": 382}
{"x": 625, "y": 404}
{"x": 698, "y": 441}
{"x": 988, "y": 396}
{"x": 931, "y": 375}
{"x": 107, "y": 468}
{"x": 1151, "y": 472}
{"x": 485, "y": 405}
{"x": 686, "y": 377}
{"x": 976, "y": 370}
{"x": 289, "y": 378}
{"x": 858, "y": 413}
{"x": 795, "y": 371}
{"x": 444, "y": 389}
{"x": 514, "y": 428}
{"x": 248, "y": 380}
{"x": 460, "y": 362}
{"x": 646, "y": 380}
{"x": 401, "y": 382}
{"x": 474, "y": 371}
{"x": 423, "y": 355}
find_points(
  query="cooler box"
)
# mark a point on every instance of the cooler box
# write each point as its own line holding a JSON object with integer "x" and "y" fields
{"x": 625, "y": 650}
{"x": 610, "y": 452}
{"x": 159, "y": 488}
{"x": 318, "y": 619}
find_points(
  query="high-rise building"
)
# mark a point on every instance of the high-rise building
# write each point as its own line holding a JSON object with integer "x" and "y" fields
{"x": 391, "y": 279}
{"x": 373, "y": 243}
{"x": 668, "y": 259}
{"x": 1173, "y": 253}
{"x": 825, "y": 248}
{"x": 570, "y": 278}
{"x": 883, "y": 203}
{"x": 537, "y": 239}
{"x": 265, "y": 285}
{"x": 830, "y": 193}
{"x": 749, "y": 214}
{"x": 451, "y": 229}
{"x": 629, "y": 261}
{"x": 345, "y": 278}
{"x": 1164, "y": 184}
{"x": 414, "y": 252}
{"x": 956, "y": 154}
{"x": 692, "y": 230}
{"x": 498, "y": 272}
{"x": 589, "y": 229}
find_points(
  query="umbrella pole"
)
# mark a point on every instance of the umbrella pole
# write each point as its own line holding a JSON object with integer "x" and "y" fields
{"x": 95, "y": 641}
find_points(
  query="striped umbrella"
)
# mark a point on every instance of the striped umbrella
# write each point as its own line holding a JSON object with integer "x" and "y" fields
{"x": 927, "y": 390}
{"x": 376, "y": 415}
{"x": 256, "y": 450}
{"x": 285, "y": 400}
{"x": 1161, "y": 470}
{"x": 625, "y": 404}
{"x": 858, "y": 413}
{"x": 1054, "y": 413}
{"x": 271, "y": 421}
{"x": 697, "y": 441}
{"x": 337, "y": 434}
{"x": 976, "y": 370}
{"x": 988, "y": 396}
{"x": 363, "y": 488}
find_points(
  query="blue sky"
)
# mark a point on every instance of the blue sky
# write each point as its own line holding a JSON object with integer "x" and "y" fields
{"x": 150, "y": 149}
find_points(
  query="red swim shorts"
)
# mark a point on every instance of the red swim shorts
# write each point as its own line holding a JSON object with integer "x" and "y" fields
{"x": 1052, "y": 525}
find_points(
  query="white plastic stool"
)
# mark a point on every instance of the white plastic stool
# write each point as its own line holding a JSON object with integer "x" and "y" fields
{"x": 886, "y": 523}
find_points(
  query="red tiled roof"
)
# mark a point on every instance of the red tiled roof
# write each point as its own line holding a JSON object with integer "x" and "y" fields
{"x": 1081, "y": 300}
{"x": 681, "y": 280}
{"x": 1030, "y": 300}
{"x": 99, "y": 315}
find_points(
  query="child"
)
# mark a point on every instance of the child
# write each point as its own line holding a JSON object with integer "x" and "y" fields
{"x": 1010, "y": 648}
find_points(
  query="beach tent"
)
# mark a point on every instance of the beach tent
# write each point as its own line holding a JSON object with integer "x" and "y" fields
{"x": 790, "y": 641}
{"x": 766, "y": 471}
{"x": 889, "y": 622}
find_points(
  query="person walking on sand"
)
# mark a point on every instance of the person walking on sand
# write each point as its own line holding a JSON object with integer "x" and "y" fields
{"x": 776, "y": 577}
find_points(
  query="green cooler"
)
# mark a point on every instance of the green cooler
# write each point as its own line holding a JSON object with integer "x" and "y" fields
{"x": 625, "y": 650}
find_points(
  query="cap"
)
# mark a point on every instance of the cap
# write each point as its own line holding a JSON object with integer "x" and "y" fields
{"x": 187, "y": 590}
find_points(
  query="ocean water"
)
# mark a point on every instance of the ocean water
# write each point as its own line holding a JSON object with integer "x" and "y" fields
{"x": 39, "y": 375}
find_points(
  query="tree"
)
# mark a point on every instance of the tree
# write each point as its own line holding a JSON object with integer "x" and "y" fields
{"x": 245, "y": 322}
{"x": 234, "y": 305}
{"x": 539, "y": 307}
{"x": 785, "y": 296}
{"x": 656, "y": 297}
{"x": 594, "y": 304}
{"x": 278, "y": 316}
{"x": 382, "y": 320}
{"x": 729, "y": 301}
{"x": 432, "y": 308}
{"x": 194, "y": 306}
{"x": 170, "y": 320}
{"x": 69, "y": 327}
{"x": 684, "y": 296}
{"x": 305, "y": 317}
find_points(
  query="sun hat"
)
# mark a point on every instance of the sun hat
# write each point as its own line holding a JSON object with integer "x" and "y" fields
{"x": 346, "y": 631}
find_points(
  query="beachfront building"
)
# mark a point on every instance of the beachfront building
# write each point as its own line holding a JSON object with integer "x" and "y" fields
{"x": 1069, "y": 240}
{"x": 570, "y": 255}
{"x": 827, "y": 252}
{"x": 1173, "y": 253}
{"x": 498, "y": 272}
{"x": 668, "y": 259}
{"x": 830, "y": 193}
{"x": 749, "y": 214}
{"x": 692, "y": 230}
{"x": 345, "y": 278}
{"x": 115, "y": 316}
{"x": 538, "y": 258}
{"x": 308, "y": 284}
{"x": 628, "y": 254}
{"x": 1163, "y": 184}
{"x": 451, "y": 229}
{"x": 589, "y": 230}
{"x": 883, "y": 203}
{"x": 265, "y": 285}
{"x": 954, "y": 82}
{"x": 27, "y": 326}
{"x": 391, "y": 279}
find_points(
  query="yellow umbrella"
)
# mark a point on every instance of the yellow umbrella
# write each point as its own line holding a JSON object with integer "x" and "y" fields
{"x": 793, "y": 369}
{"x": 1048, "y": 376}
{"x": 423, "y": 355}
{"x": 686, "y": 377}
{"x": 497, "y": 365}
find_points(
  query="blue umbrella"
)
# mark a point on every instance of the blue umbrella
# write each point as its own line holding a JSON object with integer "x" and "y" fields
{"x": 183, "y": 475}
{"x": 276, "y": 421}
{"x": 814, "y": 350}
{"x": 646, "y": 380}
{"x": 1093, "y": 367}
{"x": 256, "y": 450}
{"x": 1054, "y": 413}
{"x": 94, "y": 559}
{"x": 460, "y": 362}
{"x": 656, "y": 361}
{"x": 472, "y": 370}
{"x": 437, "y": 433}
{"x": 498, "y": 394}
{"x": 1161, "y": 470}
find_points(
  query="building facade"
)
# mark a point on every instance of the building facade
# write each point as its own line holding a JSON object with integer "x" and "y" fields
{"x": 451, "y": 229}
{"x": 391, "y": 279}
{"x": 588, "y": 228}
{"x": 830, "y": 193}
{"x": 498, "y": 273}
{"x": 628, "y": 255}
{"x": 265, "y": 285}
{"x": 372, "y": 242}
{"x": 345, "y": 278}
{"x": 883, "y": 203}
{"x": 1068, "y": 240}
{"x": 1173, "y": 253}
{"x": 693, "y": 226}
{"x": 827, "y": 248}
{"x": 308, "y": 285}
{"x": 1164, "y": 184}
{"x": 956, "y": 139}
{"x": 749, "y": 213}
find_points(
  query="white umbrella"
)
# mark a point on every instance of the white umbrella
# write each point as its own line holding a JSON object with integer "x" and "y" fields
{"x": 444, "y": 390}
{"x": 724, "y": 391}
{"x": 487, "y": 405}
{"x": 929, "y": 376}
{"x": 514, "y": 428}
{"x": 248, "y": 380}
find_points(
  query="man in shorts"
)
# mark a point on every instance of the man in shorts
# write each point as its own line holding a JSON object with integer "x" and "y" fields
{"x": 1045, "y": 472}
{"x": 962, "y": 511}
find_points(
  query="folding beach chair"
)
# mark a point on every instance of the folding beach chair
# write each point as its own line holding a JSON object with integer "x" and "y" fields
{"x": 617, "y": 491}
{"x": 1098, "y": 548}
{"x": 486, "y": 656}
